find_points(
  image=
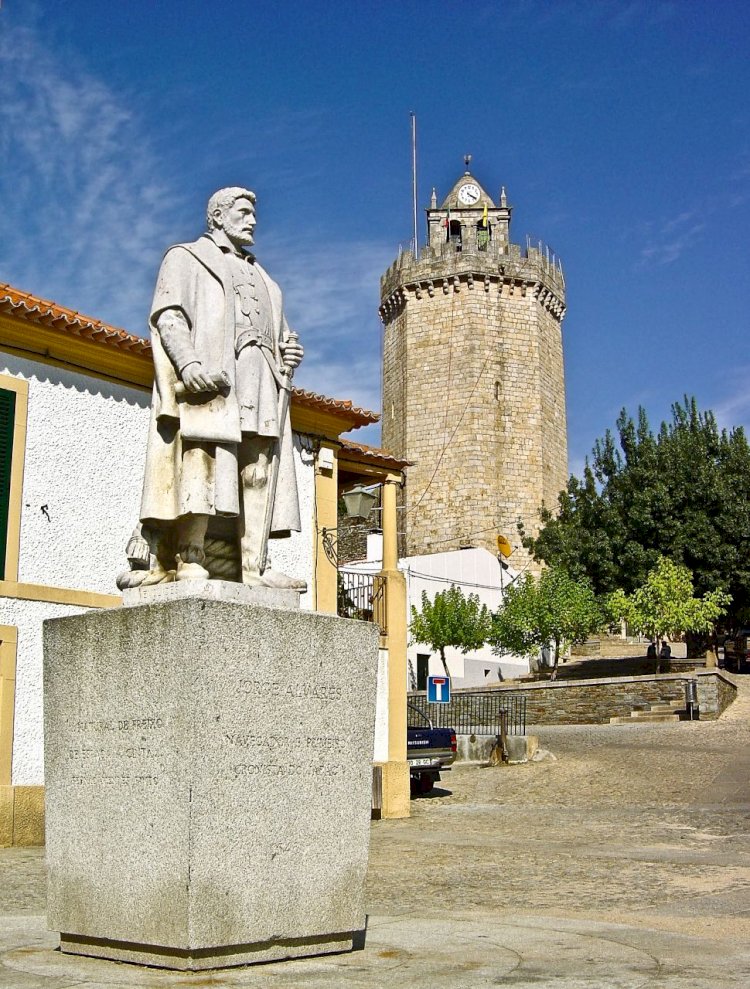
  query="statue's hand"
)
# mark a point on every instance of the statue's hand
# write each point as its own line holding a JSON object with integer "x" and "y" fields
{"x": 195, "y": 379}
{"x": 292, "y": 352}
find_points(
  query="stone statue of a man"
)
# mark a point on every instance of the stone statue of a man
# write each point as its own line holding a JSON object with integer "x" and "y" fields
{"x": 220, "y": 440}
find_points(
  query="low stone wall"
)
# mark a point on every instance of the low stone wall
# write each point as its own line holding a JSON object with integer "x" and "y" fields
{"x": 686, "y": 665}
{"x": 591, "y": 702}
{"x": 596, "y": 701}
{"x": 606, "y": 667}
{"x": 591, "y": 647}
{"x": 715, "y": 693}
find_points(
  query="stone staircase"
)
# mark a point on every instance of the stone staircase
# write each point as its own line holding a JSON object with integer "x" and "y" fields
{"x": 655, "y": 713}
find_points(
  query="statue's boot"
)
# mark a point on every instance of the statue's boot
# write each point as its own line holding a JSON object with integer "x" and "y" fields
{"x": 190, "y": 571}
{"x": 130, "y": 578}
{"x": 143, "y": 578}
{"x": 158, "y": 575}
{"x": 274, "y": 578}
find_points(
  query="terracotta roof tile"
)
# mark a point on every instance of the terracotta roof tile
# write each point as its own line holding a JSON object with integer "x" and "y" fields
{"x": 16, "y": 303}
{"x": 311, "y": 400}
{"x": 373, "y": 454}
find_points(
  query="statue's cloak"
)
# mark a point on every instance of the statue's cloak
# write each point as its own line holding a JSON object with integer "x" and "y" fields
{"x": 193, "y": 279}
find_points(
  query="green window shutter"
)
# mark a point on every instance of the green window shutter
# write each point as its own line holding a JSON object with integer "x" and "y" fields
{"x": 7, "y": 421}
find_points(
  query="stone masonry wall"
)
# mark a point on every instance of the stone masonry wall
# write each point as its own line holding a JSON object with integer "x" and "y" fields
{"x": 595, "y": 703}
{"x": 395, "y": 398}
{"x": 473, "y": 393}
{"x": 715, "y": 693}
{"x": 394, "y": 385}
{"x": 592, "y": 702}
{"x": 554, "y": 419}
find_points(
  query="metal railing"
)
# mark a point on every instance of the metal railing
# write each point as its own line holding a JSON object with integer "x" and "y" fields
{"x": 474, "y": 713}
{"x": 363, "y": 596}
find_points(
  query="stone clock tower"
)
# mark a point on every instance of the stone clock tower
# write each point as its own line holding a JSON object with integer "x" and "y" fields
{"x": 473, "y": 380}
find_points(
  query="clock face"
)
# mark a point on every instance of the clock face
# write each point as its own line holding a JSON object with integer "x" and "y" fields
{"x": 469, "y": 194}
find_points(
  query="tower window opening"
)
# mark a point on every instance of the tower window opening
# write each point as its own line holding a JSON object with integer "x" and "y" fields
{"x": 484, "y": 235}
{"x": 454, "y": 234}
{"x": 497, "y": 391}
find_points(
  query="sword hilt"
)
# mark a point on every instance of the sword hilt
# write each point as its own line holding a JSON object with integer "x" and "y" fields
{"x": 287, "y": 371}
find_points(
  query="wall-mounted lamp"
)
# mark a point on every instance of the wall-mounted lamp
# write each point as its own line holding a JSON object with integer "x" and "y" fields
{"x": 358, "y": 503}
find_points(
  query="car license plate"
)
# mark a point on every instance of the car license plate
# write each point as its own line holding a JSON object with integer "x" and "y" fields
{"x": 420, "y": 762}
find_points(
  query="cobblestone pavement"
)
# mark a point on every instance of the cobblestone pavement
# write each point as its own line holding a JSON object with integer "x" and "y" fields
{"x": 644, "y": 825}
{"x": 622, "y": 862}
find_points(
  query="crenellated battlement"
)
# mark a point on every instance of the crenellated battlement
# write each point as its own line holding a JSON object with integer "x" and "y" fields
{"x": 509, "y": 273}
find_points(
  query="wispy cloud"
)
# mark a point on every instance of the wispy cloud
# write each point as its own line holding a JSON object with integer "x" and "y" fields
{"x": 357, "y": 380}
{"x": 85, "y": 208}
{"x": 672, "y": 238}
{"x": 88, "y": 207}
{"x": 666, "y": 240}
{"x": 331, "y": 299}
{"x": 734, "y": 408}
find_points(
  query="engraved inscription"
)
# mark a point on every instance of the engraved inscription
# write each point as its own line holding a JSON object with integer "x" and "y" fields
{"x": 279, "y": 743}
{"x": 287, "y": 769}
{"x": 140, "y": 724}
{"x": 113, "y": 780}
{"x": 82, "y": 752}
{"x": 128, "y": 747}
{"x": 247, "y": 740}
{"x": 77, "y": 753}
{"x": 111, "y": 724}
{"x": 278, "y": 688}
{"x": 324, "y": 743}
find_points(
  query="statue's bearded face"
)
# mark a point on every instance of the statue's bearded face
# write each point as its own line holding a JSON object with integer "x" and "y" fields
{"x": 238, "y": 222}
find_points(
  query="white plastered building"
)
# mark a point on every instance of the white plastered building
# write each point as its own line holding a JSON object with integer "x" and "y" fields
{"x": 473, "y": 570}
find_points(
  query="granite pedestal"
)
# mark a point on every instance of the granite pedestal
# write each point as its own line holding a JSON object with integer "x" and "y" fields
{"x": 212, "y": 590}
{"x": 208, "y": 782}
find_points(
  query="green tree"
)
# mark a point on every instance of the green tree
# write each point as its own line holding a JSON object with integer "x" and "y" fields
{"x": 451, "y": 619}
{"x": 665, "y": 605}
{"x": 536, "y": 611}
{"x": 682, "y": 492}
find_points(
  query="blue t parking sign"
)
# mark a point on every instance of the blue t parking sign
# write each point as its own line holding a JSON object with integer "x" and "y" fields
{"x": 438, "y": 690}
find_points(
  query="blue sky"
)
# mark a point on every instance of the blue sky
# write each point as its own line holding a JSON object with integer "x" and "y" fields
{"x": 620, "y": 129}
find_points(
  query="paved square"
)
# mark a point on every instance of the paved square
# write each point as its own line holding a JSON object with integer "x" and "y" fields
{"x": 624, "y": 862}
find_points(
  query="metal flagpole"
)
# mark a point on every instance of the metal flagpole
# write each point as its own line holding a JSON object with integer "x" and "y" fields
{"x": 414, "y": 178}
